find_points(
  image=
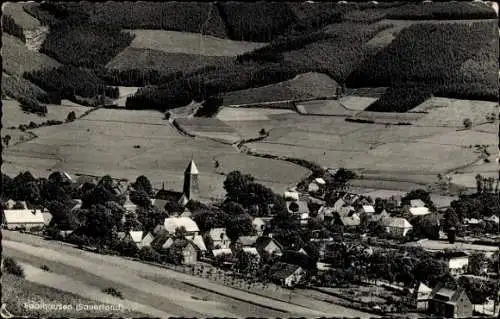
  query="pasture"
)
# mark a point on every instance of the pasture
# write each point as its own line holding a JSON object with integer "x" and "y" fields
{"x": 22, "y": 18}
{"x": 209, "y": 128}
{"x": 190, "y": 43}
{"x": 303, "y": 86}
{"x": 324, "y": 107}
{"x": 127, "y": 144}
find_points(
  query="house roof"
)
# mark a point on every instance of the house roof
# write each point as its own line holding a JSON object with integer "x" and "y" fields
{"x": 313, "y": 187}
{"x": 191, "y": 168}
{"x": 319, "y": 181}
{"x": 136, "y": 236}
{"x": 247, "y": 240}
{"x": 47, "y": 217}
{"x": 158, "y": 203}
{"x": 222, "y": 251}
{"x": 282, "y": 270}
{"x": 251, "y": 250}
{"x": 368, "y": 209}
{"x": 23, "y": 216}
{"x": 263, "y": 241}
{"x": 199, "y": 242}
{"x": 399, "y": 222}
{"x": 172, "y": 223}
{"x": 419, "y": 211}
{"x": 346, "y": 211}
{"x": 350, "y": 220}
{"x": 417, "y": 203}
{"x": 291, "y": 194}
{"x": 218, "y": 234}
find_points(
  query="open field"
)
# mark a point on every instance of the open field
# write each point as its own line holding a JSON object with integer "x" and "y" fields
{"x": 249, "y": 114}
{"x": 452, "y": 112}
{"x": 17, "y": 59}
{"x": 209, "y": 127}
{"x": 324, "y": 107}
{"x": 189, "y": 43}
{"x": 17, "y": 292}
{"x": 387, "y": 117}
{"x": 104, "y": 142}
{"x": 152, "y": 286}
{"x": 303, "y": 86}
{"x": 23, "y": 19}
{"x": 357, "y": 103}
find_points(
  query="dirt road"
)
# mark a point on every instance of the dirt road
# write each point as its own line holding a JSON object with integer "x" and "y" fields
{"x": 145, "y": 294}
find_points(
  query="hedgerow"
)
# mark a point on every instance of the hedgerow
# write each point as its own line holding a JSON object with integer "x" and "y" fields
{"x": 256, "y": 21}
{"x": 429, "y": 55}
{"x": 442, "y": 10}
{"x": 69, "y": 82}
{"x": 10, "y": 26}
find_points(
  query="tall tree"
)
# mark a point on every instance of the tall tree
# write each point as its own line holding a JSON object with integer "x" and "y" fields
{"x": 477, "y": 261}
{"x": 143, "y": 183}
{"x": 239, "y": 225}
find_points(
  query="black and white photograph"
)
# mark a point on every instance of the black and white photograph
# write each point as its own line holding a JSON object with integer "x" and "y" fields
{"x": 238, "y": 159}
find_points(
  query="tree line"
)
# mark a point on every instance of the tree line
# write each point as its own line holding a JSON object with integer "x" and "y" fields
{"x": 10, "y": 26}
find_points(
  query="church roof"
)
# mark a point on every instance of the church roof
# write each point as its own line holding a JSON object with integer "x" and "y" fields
{"x": 192, "y": 169}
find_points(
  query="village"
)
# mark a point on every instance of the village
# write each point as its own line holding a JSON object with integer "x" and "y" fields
{"x": 383, "y": 255}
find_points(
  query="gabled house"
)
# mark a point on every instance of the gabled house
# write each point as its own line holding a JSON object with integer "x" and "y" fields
{"x": 219, "y": 238}
{"x": 247, "y": 241}
{"x": 398, "y": 227}
{"x": 418, "y": 211}
{"x": 189, "y": 249}
{"x": 417, "y": 203}
{"x": 22, "y": 219}
{"x": 449, "y": 303}
{"x": 347, "y": 220}
{"x": 457, "y": 262}
{"x": 421, "y": 295}
{"x": 200, "y": 244}
{"x": 146, "y": 240}
{"x": 269, "y": 246}
{"x": 133, "y": 236}
{"x": 172, "y": 223}
{"x": 367, "y": 209}
{"x": 252, "y": 251}
{"x": 287, "y": 275}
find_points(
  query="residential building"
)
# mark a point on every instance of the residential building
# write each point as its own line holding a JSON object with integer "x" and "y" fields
{"x": 172, "y": 223}
{"x": 252, "y": 251}
{"x": 22, "y": 219}
{"x": 291, "y": 195}
{"x": 219, "y": 238}
{"x": 417, "y": 203}
{"x": 449, "y": 303}
{"x": 297, "y": 207}
{"x": 246, "y": 241}
{"x": 348, "y": 221}
{"x": 398, "y": 227}
{"x": 367, "y": 209}
{"x": 457, "y": 263}
{"x": 222, "y": 251}
{"x": 421, "y": 296}
{"x": 287, "y": 275}
{"x": 133, "y": 236}
{"x": 131, "y": 207}
{"x": 269, "y": 246}
{"x": 146, "y": 240}
{"x": 418, "y": 211}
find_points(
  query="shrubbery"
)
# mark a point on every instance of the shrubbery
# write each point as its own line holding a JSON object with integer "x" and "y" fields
{"x": 32, "y": 106}
{"x": 10, "y": 26}
{"x": 69, "y": 81}
{"x": 12, "y": 267}
{"x": 442, "y": 11}
{"x": 256, "y": 21}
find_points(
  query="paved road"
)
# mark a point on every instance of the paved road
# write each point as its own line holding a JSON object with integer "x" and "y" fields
{"x": 134, "y": 280}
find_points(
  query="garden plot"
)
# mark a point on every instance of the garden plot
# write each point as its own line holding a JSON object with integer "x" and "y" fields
{"x": 324, "y": 107}
{"x": 190, "y": 43}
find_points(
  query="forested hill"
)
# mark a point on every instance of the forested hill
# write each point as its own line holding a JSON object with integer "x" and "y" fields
{"x": 180, "y": 51}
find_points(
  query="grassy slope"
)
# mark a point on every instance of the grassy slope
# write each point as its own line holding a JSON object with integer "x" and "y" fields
{"x": 17, "y": 59}
{"x": 16, "y": 87}
{"x": 17, "y": 291}
{"x": 22, "y": 18}
{"x": 303, "y": 86}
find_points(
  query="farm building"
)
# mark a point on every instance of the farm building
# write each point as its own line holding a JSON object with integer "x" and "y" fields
{"x": 419, "y": 211}
{"x": 287, "y": 275}
{"x": 449, "y": 303}
{"x": 399, "y": 227}
{"x": 146, "y": 240}
{"x": 417, "y": 203}
{"x": 22, "y": 219}
{"x": 219, "y": 238}
{"x": 172, "y": 223}
{"x": 495, "y": 219}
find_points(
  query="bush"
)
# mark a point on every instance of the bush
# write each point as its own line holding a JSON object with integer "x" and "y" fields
{"x": 210, "y": 107}
{"x": 149, "y": 254}
{"x": 12, "y": 267}
{"x": 45, "y": 268}
{"x": 71, "y": 116}
{"x": 113, "y": 292}
{"x": 10, "y": 26}
{"x": 32, "y": 106}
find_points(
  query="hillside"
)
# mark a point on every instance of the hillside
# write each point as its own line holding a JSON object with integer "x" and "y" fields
{"x": 303, "y": 86}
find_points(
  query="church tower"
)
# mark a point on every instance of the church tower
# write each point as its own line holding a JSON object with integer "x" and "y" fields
{"x": 191, "y": 187}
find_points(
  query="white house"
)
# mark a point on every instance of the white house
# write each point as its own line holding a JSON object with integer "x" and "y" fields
{"x": 367, "y": 209}
{"x": 219, "y": 238}
{"x": 260, "y": 224}
{"x": 417, "y": 203}
{"x": 146, "y": 240}
{"x": 294, "y": 195}
{"x": 22, "y": 218}
{"x": 172, "y": 223}
{"x": 399, "y": 227}
{"x": 421, "y": 295}
{"x": 419, "y": 211}
{"x": 457, "y": 264}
